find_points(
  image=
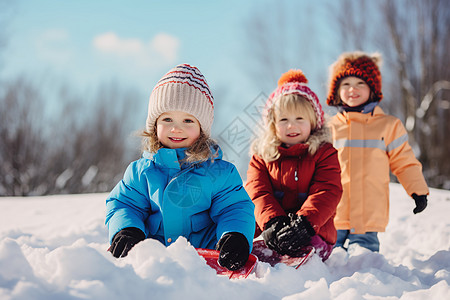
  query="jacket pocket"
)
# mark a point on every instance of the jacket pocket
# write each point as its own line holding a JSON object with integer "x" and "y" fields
{"x": 200, "y": 221}
{"x": 302, "y": 197}
{"x": 154, "y": 222}
{"x": 278, "y": 195}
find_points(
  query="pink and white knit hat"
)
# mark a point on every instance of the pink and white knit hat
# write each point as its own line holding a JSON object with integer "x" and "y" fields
{"x": 183, "y": 88}
{"x": 294, "y": 82}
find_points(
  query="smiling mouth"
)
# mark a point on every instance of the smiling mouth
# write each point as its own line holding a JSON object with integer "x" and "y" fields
{"x": 292, "y": 134}
{"x": 176, "y": 140}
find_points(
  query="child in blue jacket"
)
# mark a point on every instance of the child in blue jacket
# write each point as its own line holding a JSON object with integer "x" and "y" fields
{"x": 181, "y": 186}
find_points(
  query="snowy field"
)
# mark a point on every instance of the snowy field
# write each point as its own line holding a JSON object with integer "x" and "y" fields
{"x": 54, "y": 247}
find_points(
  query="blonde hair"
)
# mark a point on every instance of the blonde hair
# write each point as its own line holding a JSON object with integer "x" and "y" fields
{"x": 266, "y": 146}
{"x": 199, "y": 151}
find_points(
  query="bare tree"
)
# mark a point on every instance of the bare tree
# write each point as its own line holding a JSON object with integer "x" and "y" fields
{"x": 419, "y": 33}
{"x": 21, "y": 141}
{"x": 279, "y": 38}
{"x": 95, "y": 136}
{"x": 83, "y": 148}
{"x": 99, "y": 146}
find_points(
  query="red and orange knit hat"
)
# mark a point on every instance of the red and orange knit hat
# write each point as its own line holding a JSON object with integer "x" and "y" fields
{"x": 294, "y": 82}
{"x": 358, "y": 64}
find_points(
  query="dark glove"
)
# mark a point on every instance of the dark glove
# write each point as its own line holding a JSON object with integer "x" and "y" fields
{"x": 234, "y": 250}
{"x": 293, "y": 237}
{"x": 421, "y": 203}
{"x": 124, "y": 240}
{"x": 271, "y": 229}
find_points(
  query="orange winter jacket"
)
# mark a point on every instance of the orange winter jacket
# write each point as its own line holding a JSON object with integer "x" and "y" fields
{"x": 368, "y": 146}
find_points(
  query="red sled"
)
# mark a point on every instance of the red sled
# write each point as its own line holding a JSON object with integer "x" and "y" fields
{"x": 211, "y": 257}
{"x": 261, "y": 253}
{"x": 267, "y": 255}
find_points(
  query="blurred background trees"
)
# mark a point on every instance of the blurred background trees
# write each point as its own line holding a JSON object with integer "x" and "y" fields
{"x": 83, "y": 148}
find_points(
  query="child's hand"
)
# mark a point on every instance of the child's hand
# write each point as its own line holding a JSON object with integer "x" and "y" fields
{"x": 421, "y": 202}
{"x": 271, "y": 229}
{"x": 295, "y": 235}
{"x": 124, "y": 240}
{"x": 234, "y": 250}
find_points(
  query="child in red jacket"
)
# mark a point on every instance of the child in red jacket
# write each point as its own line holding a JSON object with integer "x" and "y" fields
{"x": 294, "y": 174}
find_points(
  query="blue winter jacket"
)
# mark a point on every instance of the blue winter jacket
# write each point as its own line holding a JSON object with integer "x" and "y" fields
{"x": 200, "y": 201}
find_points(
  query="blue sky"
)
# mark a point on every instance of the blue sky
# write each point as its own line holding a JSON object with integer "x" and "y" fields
{"x": 135, "y": 41}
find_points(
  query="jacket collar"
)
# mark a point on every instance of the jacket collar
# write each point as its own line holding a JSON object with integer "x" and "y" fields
{"x": 170, "y": 158}
{"x": 350, "y": 115}
{"x": 363, "y": 108}
{"x": 294, "y": 150}
{"x": 318, "y": 137}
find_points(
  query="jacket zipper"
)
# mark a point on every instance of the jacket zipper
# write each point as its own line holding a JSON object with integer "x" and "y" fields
{"x": 295, "y": 174}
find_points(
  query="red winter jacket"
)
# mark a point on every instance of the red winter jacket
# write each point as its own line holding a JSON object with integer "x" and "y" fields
{"x": 275, "y": 191}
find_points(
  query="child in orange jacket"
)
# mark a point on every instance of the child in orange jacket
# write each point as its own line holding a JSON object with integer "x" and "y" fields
{"x": 369, "y": 144}
{"x": 294, "y": 175}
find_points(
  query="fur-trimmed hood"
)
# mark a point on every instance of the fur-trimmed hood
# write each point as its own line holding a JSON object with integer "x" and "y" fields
{"x": 319, "y": 137}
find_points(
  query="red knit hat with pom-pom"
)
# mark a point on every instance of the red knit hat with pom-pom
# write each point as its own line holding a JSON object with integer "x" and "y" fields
{"x": 358, "y": 64}
{"x": 294, "y": 82}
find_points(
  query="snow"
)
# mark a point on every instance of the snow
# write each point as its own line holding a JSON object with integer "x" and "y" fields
{"x": 55, "y": 247}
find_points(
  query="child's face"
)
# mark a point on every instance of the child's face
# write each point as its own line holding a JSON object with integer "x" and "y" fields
{"x": 177, "y": 129}
{"x": 354, "y": 91}
{"x": 292, "y": 127}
